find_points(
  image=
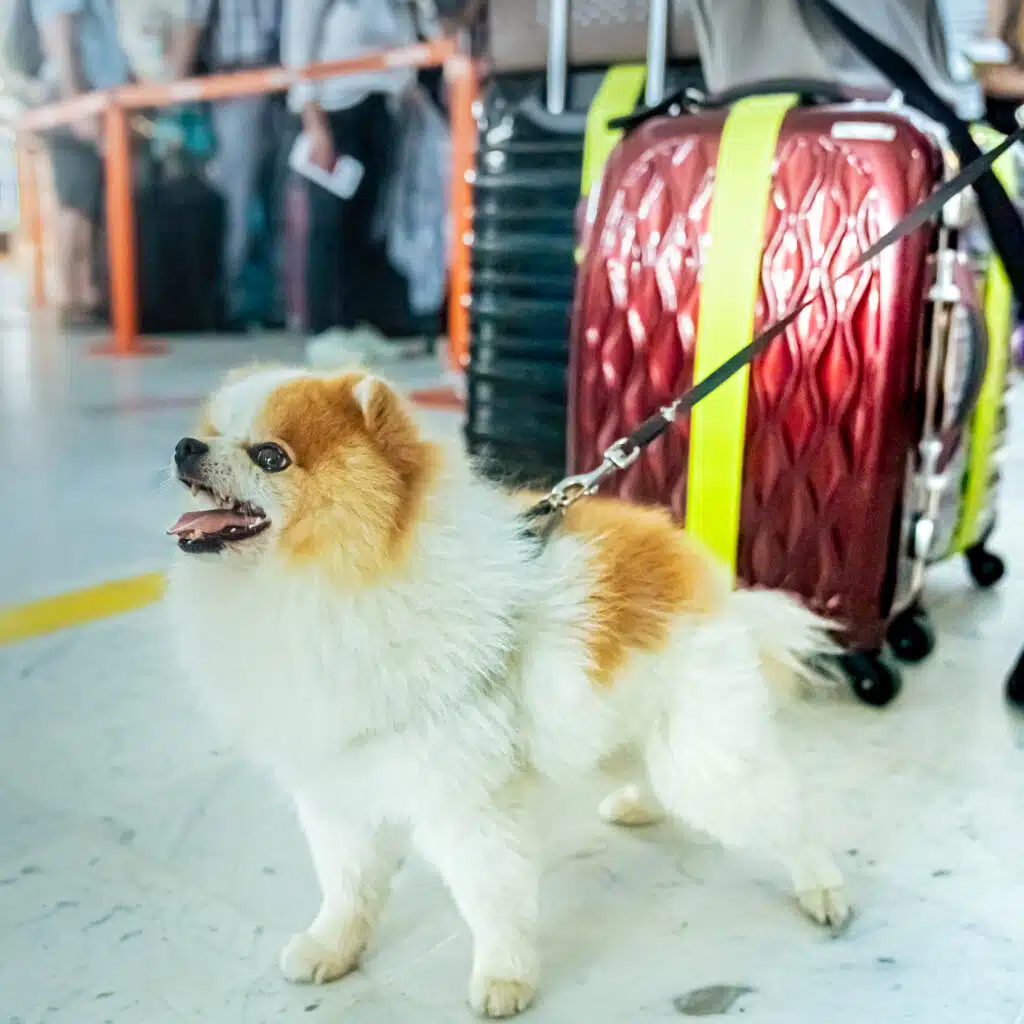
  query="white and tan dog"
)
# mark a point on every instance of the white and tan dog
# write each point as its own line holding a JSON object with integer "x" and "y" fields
{"x": 369, "y": 620}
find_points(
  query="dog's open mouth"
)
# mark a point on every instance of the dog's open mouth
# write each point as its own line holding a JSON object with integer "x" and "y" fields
{"x": 210, "y": 530}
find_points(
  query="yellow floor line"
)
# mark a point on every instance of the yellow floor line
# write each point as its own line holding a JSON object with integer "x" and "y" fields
{"x": 78, "y": 607}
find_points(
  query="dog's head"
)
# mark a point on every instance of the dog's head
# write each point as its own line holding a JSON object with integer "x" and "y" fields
{"x": 331, "y": 470}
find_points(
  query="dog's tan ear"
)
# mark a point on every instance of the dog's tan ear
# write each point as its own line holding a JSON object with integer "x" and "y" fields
{"x": 381, "y": 406}
{"x": 386, "y": 416}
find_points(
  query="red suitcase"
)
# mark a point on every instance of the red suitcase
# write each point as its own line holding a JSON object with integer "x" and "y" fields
{"x": 835, "y": 464}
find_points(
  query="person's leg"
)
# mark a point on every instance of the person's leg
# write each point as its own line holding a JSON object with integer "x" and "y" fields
{"x": 327, "y": 301}
{"x": 66, "y": 222}
{"x": 364, "y": 132}
{"x": 375, "y": 134}
{"x": 86, "y": 290}
{"x": 281, "y": 133}
{"x": 371, "y": 145}
{"x": 61, "y": 161}
{"x": 78, "y": 182}
{"x": 349, "y": 133}
{"x": 238, "y": 125}
{"x": 323, "y": 261}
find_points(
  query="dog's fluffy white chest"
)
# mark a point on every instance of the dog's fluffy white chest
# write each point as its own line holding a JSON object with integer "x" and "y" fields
{"x": 330, "y": 691}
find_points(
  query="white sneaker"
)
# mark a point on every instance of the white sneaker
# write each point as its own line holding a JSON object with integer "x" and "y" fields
{"x": 340, "y": 349}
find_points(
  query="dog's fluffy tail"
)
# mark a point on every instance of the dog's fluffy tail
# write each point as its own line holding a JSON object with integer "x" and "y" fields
{"x": 797, "y": 647}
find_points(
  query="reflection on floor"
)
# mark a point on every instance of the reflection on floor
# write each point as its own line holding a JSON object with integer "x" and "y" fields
{"x": 146, "y": 875}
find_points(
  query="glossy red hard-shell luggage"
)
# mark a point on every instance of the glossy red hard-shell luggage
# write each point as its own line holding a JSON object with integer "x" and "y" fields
{"x": 835, "y": 405}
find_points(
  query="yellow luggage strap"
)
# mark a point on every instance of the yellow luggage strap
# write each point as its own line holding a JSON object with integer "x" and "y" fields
{"x": 729, "y": 290}
{"x": 998, "y": 311}
{"x": 619, "y": 93}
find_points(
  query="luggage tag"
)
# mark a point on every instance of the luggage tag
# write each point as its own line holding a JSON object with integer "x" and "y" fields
{"x": 343, "y": 180}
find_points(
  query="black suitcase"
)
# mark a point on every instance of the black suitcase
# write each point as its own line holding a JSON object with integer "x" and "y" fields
{"x": 526, "y": 191}
{"x": 181, "y": 222}
{"x": 526, "y": 195}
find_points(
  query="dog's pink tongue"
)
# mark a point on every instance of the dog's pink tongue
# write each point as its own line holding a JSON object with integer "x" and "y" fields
{"x": 204, "y": 523}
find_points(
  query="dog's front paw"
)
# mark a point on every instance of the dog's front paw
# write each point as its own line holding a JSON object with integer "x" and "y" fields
{"x": 307, "y": 961}
{"x": 500, "y": 997}
{"x": 828, "y": 907}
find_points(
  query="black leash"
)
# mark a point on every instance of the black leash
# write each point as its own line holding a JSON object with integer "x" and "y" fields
{"x": 626, "y": 450}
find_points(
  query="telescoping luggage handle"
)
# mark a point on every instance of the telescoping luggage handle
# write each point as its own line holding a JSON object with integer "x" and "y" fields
{"x": 626, "y": 450}
{"x": 559, "y": 20}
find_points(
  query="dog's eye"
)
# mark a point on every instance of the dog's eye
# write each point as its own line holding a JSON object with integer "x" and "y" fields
{"x": 271, "y": 458}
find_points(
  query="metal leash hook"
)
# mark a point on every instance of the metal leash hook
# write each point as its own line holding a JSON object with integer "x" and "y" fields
{"x": 619, "y": 456}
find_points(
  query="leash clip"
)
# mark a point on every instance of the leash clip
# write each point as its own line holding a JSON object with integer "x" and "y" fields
{"x": 618, "y": 457}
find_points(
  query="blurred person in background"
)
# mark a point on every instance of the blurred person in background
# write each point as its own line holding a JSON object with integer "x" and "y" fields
{"x": 347, "y": 116}
{"x": 999, "y": 58}
{"x": 82, "y": 53}
{"x": 986, "y": 40}
{"x": 222, "y": 36}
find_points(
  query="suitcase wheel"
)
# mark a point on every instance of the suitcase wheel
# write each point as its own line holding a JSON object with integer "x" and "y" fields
{"x": 1015, "y": 684}
{"x": 871, "y": 678}
{"x": 986, "y": 568}
{"x": 911, "y": 636}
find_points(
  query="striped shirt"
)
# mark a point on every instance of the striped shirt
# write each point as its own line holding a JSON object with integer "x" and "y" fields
{"x": 245, "y": 32}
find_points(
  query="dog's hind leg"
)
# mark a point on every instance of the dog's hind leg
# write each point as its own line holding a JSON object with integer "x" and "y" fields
{"x": 714, "y": 761}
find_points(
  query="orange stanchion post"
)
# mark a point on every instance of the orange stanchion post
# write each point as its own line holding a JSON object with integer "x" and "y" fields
{"x": 31, "y": 215}
{"x": 124, "y": 309}
{"x": 460, "y": 73}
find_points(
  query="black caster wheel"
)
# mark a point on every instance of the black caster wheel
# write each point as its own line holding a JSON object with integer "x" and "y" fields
{"x": 986, "y": 568}
{"x": 1015, "y": 684}
{"x": 911, "y": 635}
{"x": 871, "y": 679}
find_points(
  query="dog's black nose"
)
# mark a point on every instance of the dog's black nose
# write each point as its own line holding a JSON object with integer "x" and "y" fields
{"x": 189, "y": 448}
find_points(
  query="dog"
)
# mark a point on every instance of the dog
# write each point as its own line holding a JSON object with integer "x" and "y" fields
{"x": 371, "y": 621}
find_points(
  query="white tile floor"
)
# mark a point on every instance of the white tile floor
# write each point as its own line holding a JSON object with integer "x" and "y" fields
{"x": 147, "y": 876}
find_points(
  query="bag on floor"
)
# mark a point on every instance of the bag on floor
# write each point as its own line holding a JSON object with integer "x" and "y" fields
{"x": 181, "y": 222}
{"x": 821, "y": 470}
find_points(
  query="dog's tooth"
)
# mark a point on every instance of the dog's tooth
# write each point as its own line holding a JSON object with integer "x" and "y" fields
{"x": 194, "y": 490}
